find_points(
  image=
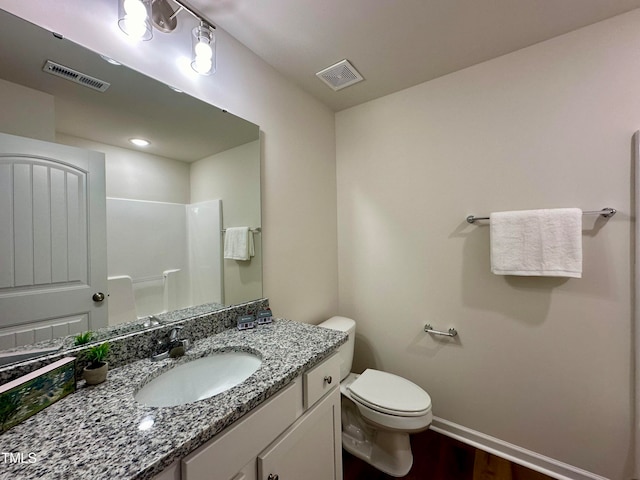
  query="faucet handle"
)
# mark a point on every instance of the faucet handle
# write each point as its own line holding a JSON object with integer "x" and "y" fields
{"x": 174, "y": 332}
{"x": 151, "y": 321}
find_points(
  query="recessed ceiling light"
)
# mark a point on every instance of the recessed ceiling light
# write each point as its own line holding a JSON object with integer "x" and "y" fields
{"x": 110, "y": 60}
{"x": 140, "y": 142}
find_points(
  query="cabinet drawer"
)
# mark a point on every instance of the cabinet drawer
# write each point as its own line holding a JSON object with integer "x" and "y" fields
{"x": 321, "y": 379}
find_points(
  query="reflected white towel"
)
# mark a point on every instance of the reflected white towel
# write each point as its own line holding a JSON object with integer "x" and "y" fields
{"x": 238, "y": 243}
{"x": 537, "y": 242}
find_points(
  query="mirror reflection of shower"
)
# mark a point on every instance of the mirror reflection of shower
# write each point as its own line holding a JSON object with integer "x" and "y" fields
{"x": 162, "y": 257}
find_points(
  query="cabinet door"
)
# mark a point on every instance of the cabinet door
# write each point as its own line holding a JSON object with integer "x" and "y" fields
{"x": 249, "y": 472}
{"x": 172, "y": 472}
{"x": 310, "y": 449}
{"x": 222, "y": 457}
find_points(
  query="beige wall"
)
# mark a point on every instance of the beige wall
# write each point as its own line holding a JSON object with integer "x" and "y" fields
{"x": 234, "y": 176}
{"x": 544, "y": 364}
{"x": 541, "y": 363}
{"x": 26, "y": 112}
{"x": 298, "y": 146}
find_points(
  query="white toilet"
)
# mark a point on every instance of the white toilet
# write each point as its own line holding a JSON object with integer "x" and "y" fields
{"x": 379, "y": 410}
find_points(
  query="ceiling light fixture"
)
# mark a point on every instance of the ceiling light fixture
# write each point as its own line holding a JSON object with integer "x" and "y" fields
{"x": 204, "y": 49}
{"x": 137, "y": 18}
{"x": 140, "y": 142}
{"x": 163, "y": 16}
{"x": 134, "y": 18}
{"x": 110, "y": 60}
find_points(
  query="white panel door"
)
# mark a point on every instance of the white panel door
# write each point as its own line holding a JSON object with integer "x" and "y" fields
{"x": 52, "y": 239}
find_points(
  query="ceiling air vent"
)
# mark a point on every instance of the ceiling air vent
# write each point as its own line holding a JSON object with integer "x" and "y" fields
{"x": 74, "y": 76}
{"x": 340, "y": 75}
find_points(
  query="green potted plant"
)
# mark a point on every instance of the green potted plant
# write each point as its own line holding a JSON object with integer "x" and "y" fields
{"x": 96, "y": 371}
{"x": 83, "y": 338}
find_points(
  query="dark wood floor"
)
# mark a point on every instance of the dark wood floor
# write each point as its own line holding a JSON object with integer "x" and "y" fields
{"x": 438, "y": 457}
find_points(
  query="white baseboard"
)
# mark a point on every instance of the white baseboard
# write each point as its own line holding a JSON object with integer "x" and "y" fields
{"x": 513, "y": 453}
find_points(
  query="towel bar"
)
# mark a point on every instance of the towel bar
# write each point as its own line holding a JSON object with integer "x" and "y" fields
{"x": 605, "y": 212}
{"x": 451, "y": 333}
{"x": 252, "y": 230}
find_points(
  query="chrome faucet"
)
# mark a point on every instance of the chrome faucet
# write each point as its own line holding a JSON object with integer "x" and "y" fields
{"x": 177, "y": 347}
{"x": 151, "y": 321}
{"x": 173, "y": 346}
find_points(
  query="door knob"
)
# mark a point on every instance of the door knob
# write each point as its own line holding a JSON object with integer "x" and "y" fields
{"x": 98, "y": 297}
{"x": 328, "y": 379}
{"x": 272, "y": 477}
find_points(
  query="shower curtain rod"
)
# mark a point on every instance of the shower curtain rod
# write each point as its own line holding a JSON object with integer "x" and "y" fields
{"x": 605, "y": 212}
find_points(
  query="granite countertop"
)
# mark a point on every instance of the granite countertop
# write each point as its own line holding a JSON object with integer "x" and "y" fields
{"x": 96, "y": 433}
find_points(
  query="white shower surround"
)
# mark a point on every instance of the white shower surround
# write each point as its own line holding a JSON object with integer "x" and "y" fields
{"x": 145, "y": 239}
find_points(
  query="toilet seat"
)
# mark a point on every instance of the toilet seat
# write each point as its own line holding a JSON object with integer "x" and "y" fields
{"x": 390, "y": 394}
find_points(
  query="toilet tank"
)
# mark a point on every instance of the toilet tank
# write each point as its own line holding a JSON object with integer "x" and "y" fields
{"x": 343, "y": 324}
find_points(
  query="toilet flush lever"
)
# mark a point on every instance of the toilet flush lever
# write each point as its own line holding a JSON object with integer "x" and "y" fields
{"x": 451, "y": 333}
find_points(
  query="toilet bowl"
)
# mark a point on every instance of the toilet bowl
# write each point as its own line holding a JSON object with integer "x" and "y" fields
{"x": 379, "y": 410}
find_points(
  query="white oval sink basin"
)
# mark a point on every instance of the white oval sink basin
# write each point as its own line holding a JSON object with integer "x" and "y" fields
{"x": 199, "y": 379}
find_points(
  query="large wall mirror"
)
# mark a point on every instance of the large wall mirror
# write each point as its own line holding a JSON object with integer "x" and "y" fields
{"x": 169, "y": 205}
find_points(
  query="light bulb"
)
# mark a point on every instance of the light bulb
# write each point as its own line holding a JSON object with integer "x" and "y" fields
{"x": 135, "y": 9}
{"x": 202, "y": 65}
{"x": 203, "y": 49}
{"x": 133, "y": 18}
{"x": 134, "y": 27}
{"x": 204, "y": 44}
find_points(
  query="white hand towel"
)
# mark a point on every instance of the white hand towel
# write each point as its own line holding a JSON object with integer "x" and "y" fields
{"x": 238, "y": 244}
{"x": 537, "y": 242}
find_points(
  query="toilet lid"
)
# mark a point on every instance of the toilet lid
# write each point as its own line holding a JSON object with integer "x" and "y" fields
{"x": 389, "y": 393}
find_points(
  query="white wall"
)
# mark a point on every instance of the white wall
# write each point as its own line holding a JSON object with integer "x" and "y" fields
{"x": 138, "y": 175}
{"x": 298, "y": 146}
{"x": 234, "y": 176}
{"x": 26, "y": 112}
{"x": 544, "y": 364}
{"x": 204, "y": 221}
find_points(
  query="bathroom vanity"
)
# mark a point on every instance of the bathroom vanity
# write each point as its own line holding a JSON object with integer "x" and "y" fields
{"x": 282, "y": 422}
{"x": 294, "y": 434}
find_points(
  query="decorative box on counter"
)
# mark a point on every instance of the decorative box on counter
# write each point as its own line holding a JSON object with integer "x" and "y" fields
{"x": 264, "y": 316}
{"x": 27, "y": 395}
{"x": 246, "y": 322}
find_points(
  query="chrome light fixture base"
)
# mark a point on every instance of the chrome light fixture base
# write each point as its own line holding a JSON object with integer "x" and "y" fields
{"x": 137, "y": 18}
{"x": 163, "y": 16}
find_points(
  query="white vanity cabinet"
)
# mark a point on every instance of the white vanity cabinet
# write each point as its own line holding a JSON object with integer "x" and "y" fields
{"x": 295, "y": 435}
{"x": 310, "y": 449}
